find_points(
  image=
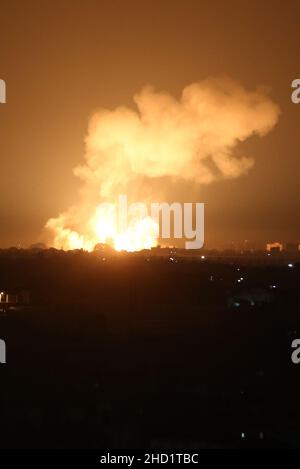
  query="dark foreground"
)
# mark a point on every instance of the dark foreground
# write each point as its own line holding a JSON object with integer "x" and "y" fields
{"x": 138, "y": 352}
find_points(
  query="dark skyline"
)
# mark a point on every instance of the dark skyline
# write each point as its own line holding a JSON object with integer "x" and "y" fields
{"x": 61, "y": 62}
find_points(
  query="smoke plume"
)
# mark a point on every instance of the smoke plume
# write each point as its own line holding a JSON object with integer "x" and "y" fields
{"x": 193, "y": 138}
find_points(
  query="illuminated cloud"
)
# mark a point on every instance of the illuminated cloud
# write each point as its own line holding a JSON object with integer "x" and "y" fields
{"x": 193, "y": 138}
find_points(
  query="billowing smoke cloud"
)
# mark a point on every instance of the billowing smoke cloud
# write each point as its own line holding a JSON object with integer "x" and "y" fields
{"x": 193, "y": 138}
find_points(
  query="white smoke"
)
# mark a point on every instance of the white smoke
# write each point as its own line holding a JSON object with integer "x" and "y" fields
{"x": 193, "y": 138}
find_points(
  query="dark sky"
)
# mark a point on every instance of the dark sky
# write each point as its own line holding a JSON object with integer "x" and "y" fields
{"x": 63, "y": 59}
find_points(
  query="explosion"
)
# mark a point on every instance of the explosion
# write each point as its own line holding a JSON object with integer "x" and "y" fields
{"x": 128, "y": 150}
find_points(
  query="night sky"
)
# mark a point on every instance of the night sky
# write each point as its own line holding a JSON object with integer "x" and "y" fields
{"x": 63, "y": 60}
